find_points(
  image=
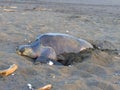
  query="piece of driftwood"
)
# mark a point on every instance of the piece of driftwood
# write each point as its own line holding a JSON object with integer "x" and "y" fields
{"x": 8, "y": 10}
{"x": 8, "y": 71}
{"x": 46, "y": 87}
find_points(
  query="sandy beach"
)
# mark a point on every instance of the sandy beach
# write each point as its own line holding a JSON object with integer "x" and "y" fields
{"x": 22, "y": 21}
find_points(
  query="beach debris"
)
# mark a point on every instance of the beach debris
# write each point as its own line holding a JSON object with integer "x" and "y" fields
{"x": 29, "y": 41}
{"x": 37, "y": 9}
{"x": 67, "y": 31}
{"x": 117, "y": 82}
{"x": 53, "y": 76}
{"x": 50, "y": 63}
{"x": 46, "y": 87}
{"x": 9, "y": 71}
{"x": 23, "y": 13}
{"x": 8, "y": 10}
{"x": 41, "y": 9}
{"x": 30, "y": 86}
{"x": 13, "y": 7}
{"x": 69, "y": 65}
{"x": 117, "y": 74}
{"x": 13, "y": 74}
{"x": 25, "y": 39}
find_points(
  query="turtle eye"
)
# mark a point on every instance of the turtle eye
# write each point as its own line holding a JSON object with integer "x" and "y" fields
{"x": 36, "y": 39}
{"x": 22, "y": 49}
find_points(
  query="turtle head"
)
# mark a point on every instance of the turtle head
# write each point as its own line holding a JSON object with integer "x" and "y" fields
{"x": 26, "y": 50}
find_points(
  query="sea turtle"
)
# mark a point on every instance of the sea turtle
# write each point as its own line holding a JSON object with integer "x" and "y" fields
{"x": 52, "y": 47}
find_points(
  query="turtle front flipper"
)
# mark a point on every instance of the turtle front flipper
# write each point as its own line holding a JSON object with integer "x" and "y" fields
{"x": 47, "y": 54}
{"x": 45, "y": 60}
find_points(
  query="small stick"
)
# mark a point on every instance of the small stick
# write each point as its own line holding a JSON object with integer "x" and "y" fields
{"x": 8, "y": 71}
{"x": 8, "y": 10}
{"x": 46, "y": 87}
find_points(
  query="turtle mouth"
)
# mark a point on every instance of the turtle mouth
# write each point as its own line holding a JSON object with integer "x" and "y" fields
{"x": 18, "y": 52}
{"x": 22, "y": 49}
{"x": 26, "y": 51}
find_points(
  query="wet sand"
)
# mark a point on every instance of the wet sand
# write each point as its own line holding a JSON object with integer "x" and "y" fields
{"x": 21, "y": 22}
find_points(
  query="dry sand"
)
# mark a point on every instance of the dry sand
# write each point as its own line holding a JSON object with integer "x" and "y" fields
{"x": 21, "y": 22}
